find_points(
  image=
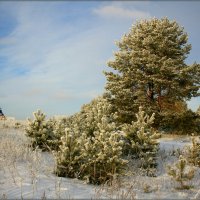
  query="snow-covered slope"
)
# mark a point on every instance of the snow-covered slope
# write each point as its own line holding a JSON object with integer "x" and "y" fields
{"x": 29, "y": 175}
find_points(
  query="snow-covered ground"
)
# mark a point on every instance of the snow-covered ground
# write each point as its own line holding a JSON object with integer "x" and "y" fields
{"x": 29, "y": 174}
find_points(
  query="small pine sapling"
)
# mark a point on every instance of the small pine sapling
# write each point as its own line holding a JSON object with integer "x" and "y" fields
{"x": 142, "y": 139}
{"x": 68, "y": 157}
{"x": 193, "y": 152}
{"x": 181, "y": 174}
{"x": 40, "y": 131}
{"x": 104, "y": 146}
{"x": 104, "y": 154}
{"x": 91, "y": 148}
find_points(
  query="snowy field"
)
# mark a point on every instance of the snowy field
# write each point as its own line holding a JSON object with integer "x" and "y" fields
{"x": 26, "y": 174}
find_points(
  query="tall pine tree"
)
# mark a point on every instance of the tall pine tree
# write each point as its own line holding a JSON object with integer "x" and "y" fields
{"x": 150, "y": 70}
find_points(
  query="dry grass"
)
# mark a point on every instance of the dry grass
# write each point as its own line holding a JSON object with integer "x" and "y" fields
{"x": 17, "y": 158}
{"x": 12, "y": 123}
{"x": 27, "y": 173}
{"x": 14, "y": 147}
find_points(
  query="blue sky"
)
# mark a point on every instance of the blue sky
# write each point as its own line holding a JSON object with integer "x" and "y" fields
{"x": 52, "y": 54}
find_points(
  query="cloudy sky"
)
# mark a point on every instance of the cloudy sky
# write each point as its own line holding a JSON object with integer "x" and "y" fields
{"x": 52, "y": 54}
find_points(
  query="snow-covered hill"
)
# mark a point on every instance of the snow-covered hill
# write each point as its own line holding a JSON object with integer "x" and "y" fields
{"x": 29, "y": 174}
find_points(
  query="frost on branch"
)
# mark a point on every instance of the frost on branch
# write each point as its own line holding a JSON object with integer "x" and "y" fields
{"x": 193, "y": 152}
{"x": 141, "y": 139}
{"x": 181, "y": 173}
{"x": 92, "y": 147}
{"x": 40, "y": 130}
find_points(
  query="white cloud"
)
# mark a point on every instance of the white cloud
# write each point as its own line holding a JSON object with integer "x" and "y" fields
{"x": 116, "y": 11}
{"x": 62, "y": 62}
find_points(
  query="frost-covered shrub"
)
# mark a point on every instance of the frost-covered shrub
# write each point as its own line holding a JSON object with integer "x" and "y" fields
{"x": 91, "y": 114}
{"x": 141, "y": 139}
{"x": 59, "y": 127}
{"x": 103, "y": 153}
{"x": 40, "y": 130}
{"x": 92, "y": 147}
{"x": 193, "y": 152}
{"x": 69, "y": 158}
{"x": 181, "y": 174}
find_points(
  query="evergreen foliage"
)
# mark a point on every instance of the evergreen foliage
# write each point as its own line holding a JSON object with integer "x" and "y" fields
{"x": 69, "y": 158}
{"x": 92, "y": 147}
{"x": 91, "y": 114}
{"x": 59, "y": 127}
{"x": 150, "y": 70}
{"x": 103, "y": 153}
{"x": 198, "y": 120}
{"x": 193, "y": 152}
{"x": 40, "y": 131}
{"x": 180, "y": 174}
{"x": 184, "y": 121}
{"x": 141, "y": 139}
